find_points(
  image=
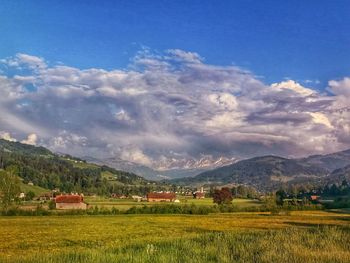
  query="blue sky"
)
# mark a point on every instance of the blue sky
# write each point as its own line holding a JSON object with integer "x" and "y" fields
{"x": 273, "y": 39}
{"x": 160, "y": 82}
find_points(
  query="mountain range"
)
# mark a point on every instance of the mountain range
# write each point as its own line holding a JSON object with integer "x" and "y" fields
{"x": 49, "y": 170}
{"x": 167, "y": 169}
{"x": 270, "y": 172}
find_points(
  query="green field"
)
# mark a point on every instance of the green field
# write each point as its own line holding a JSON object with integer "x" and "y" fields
{"x": 25, "y": 188}
{"x": 125, "y": 204}
{"x": 308, "y": 236}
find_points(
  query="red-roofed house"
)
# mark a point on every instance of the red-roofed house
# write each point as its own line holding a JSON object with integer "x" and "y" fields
{"x": 70, "y": 202}
{"x": 314, "y": 197}
{"x": 161, "y": 197}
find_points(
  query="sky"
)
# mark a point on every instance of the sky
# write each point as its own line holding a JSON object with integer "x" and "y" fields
{"x": 158, "y": 81}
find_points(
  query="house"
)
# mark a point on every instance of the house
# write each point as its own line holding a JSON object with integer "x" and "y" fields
{"x": 56, "y": 190}
{"x": 161, "y": 197}
{"x": 70, "y": 202}
{"x": 136, "y": 198}
{"x": 314, "y": 197}
{"x": 198, "y": 195}
{"x": 118, "y": 196}
{"x": 45, "y": 197}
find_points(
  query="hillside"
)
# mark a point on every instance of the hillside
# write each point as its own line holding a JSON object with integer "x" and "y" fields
{"x": 48, "y": 170}
{"x": 265, "y": 172}
{"x": 127, "y": 166}
{"x": 331, "y": 161}
{"x": 340, "y": 174}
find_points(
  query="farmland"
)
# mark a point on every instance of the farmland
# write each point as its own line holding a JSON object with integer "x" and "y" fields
{"x": 308, "y": 236}
{"x": 125, "y": 204}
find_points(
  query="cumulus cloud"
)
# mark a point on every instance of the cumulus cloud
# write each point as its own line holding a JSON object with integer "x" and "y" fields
{"x": 136, "y": 155}
{"x": 170, "y": 105}
{"x": 7, "y": 136}
{"x": 190, "y": 57}
{"x": 341, "y": 87}
{"x": 25, "y": 60}
{"x": 292, "y": 87}
{"x": 31, "y": 139}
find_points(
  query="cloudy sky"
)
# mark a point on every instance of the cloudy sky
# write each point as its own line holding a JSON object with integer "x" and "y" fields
{"x": 151, "y": 83}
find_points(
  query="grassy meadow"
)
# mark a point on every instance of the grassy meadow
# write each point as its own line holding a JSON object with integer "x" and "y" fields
{"x": 302, "y": 236}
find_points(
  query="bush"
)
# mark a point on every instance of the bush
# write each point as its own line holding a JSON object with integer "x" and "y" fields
{"x": 52, "y": 205}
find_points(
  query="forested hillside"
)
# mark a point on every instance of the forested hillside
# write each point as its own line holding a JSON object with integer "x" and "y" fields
{"x": 46, "y": 169}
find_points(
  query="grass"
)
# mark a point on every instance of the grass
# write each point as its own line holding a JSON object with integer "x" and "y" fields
{"x": 81, "y": 165}
{"x": 25, "y": 188}
{"x": 303, "y": 236}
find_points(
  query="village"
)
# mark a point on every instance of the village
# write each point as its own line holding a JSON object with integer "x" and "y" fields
{"x": 80, "y": 201}
{"x": 71, "y": 201}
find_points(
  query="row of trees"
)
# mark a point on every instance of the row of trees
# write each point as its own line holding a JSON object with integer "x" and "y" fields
{"x": 225, "y": 195}
{"x": 9, "y": 189}
{"x": 302, "y": 191}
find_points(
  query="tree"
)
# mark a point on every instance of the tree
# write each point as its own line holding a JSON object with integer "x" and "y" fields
{"x": 280, "y": 196}
{"x": 52, "y": 205}
{"x": 334, "y": 190}
{"x": 30, "y": 195}
{"x": 270, "y": 203}
{"x": 9, "y": 189}
{"x": 223, "y": 196}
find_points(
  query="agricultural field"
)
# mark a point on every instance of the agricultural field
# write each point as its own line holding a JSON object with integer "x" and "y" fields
{"x": 303, "y": 236}
{"x": 125, "y": 204}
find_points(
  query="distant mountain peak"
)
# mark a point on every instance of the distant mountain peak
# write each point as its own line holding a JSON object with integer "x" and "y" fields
{"x": 204, "y": 162}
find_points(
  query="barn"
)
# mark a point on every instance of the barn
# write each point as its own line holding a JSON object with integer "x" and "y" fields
{"x": 161, "y": 197}
{"x": 70, "y": 202}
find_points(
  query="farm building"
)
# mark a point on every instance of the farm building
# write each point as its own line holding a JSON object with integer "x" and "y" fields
{"x": 161, "y": 197}
{"x": 198, "y": 195}
{"x": 70, "y": 202}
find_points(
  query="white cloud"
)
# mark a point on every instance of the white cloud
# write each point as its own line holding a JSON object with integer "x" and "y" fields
{"x": 341, "y": 87}
{"x": 32, "y": 61}
{"x": 7, "y": 136}
{"x": 122, "y": 116}
{"x": 291, "y": 85}
{"x": 31, "y": 139}
{"x": 135, "y": 155}
{"x": 189, "y": 57}
{"x": 20, "y": 60}
{"x": 166, "y": 103}
{"x": 321, "y": 118}
{"x": 225, "y": 101}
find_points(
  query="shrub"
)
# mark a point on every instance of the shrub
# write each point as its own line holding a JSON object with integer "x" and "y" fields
{"x": 52, "y": 205}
